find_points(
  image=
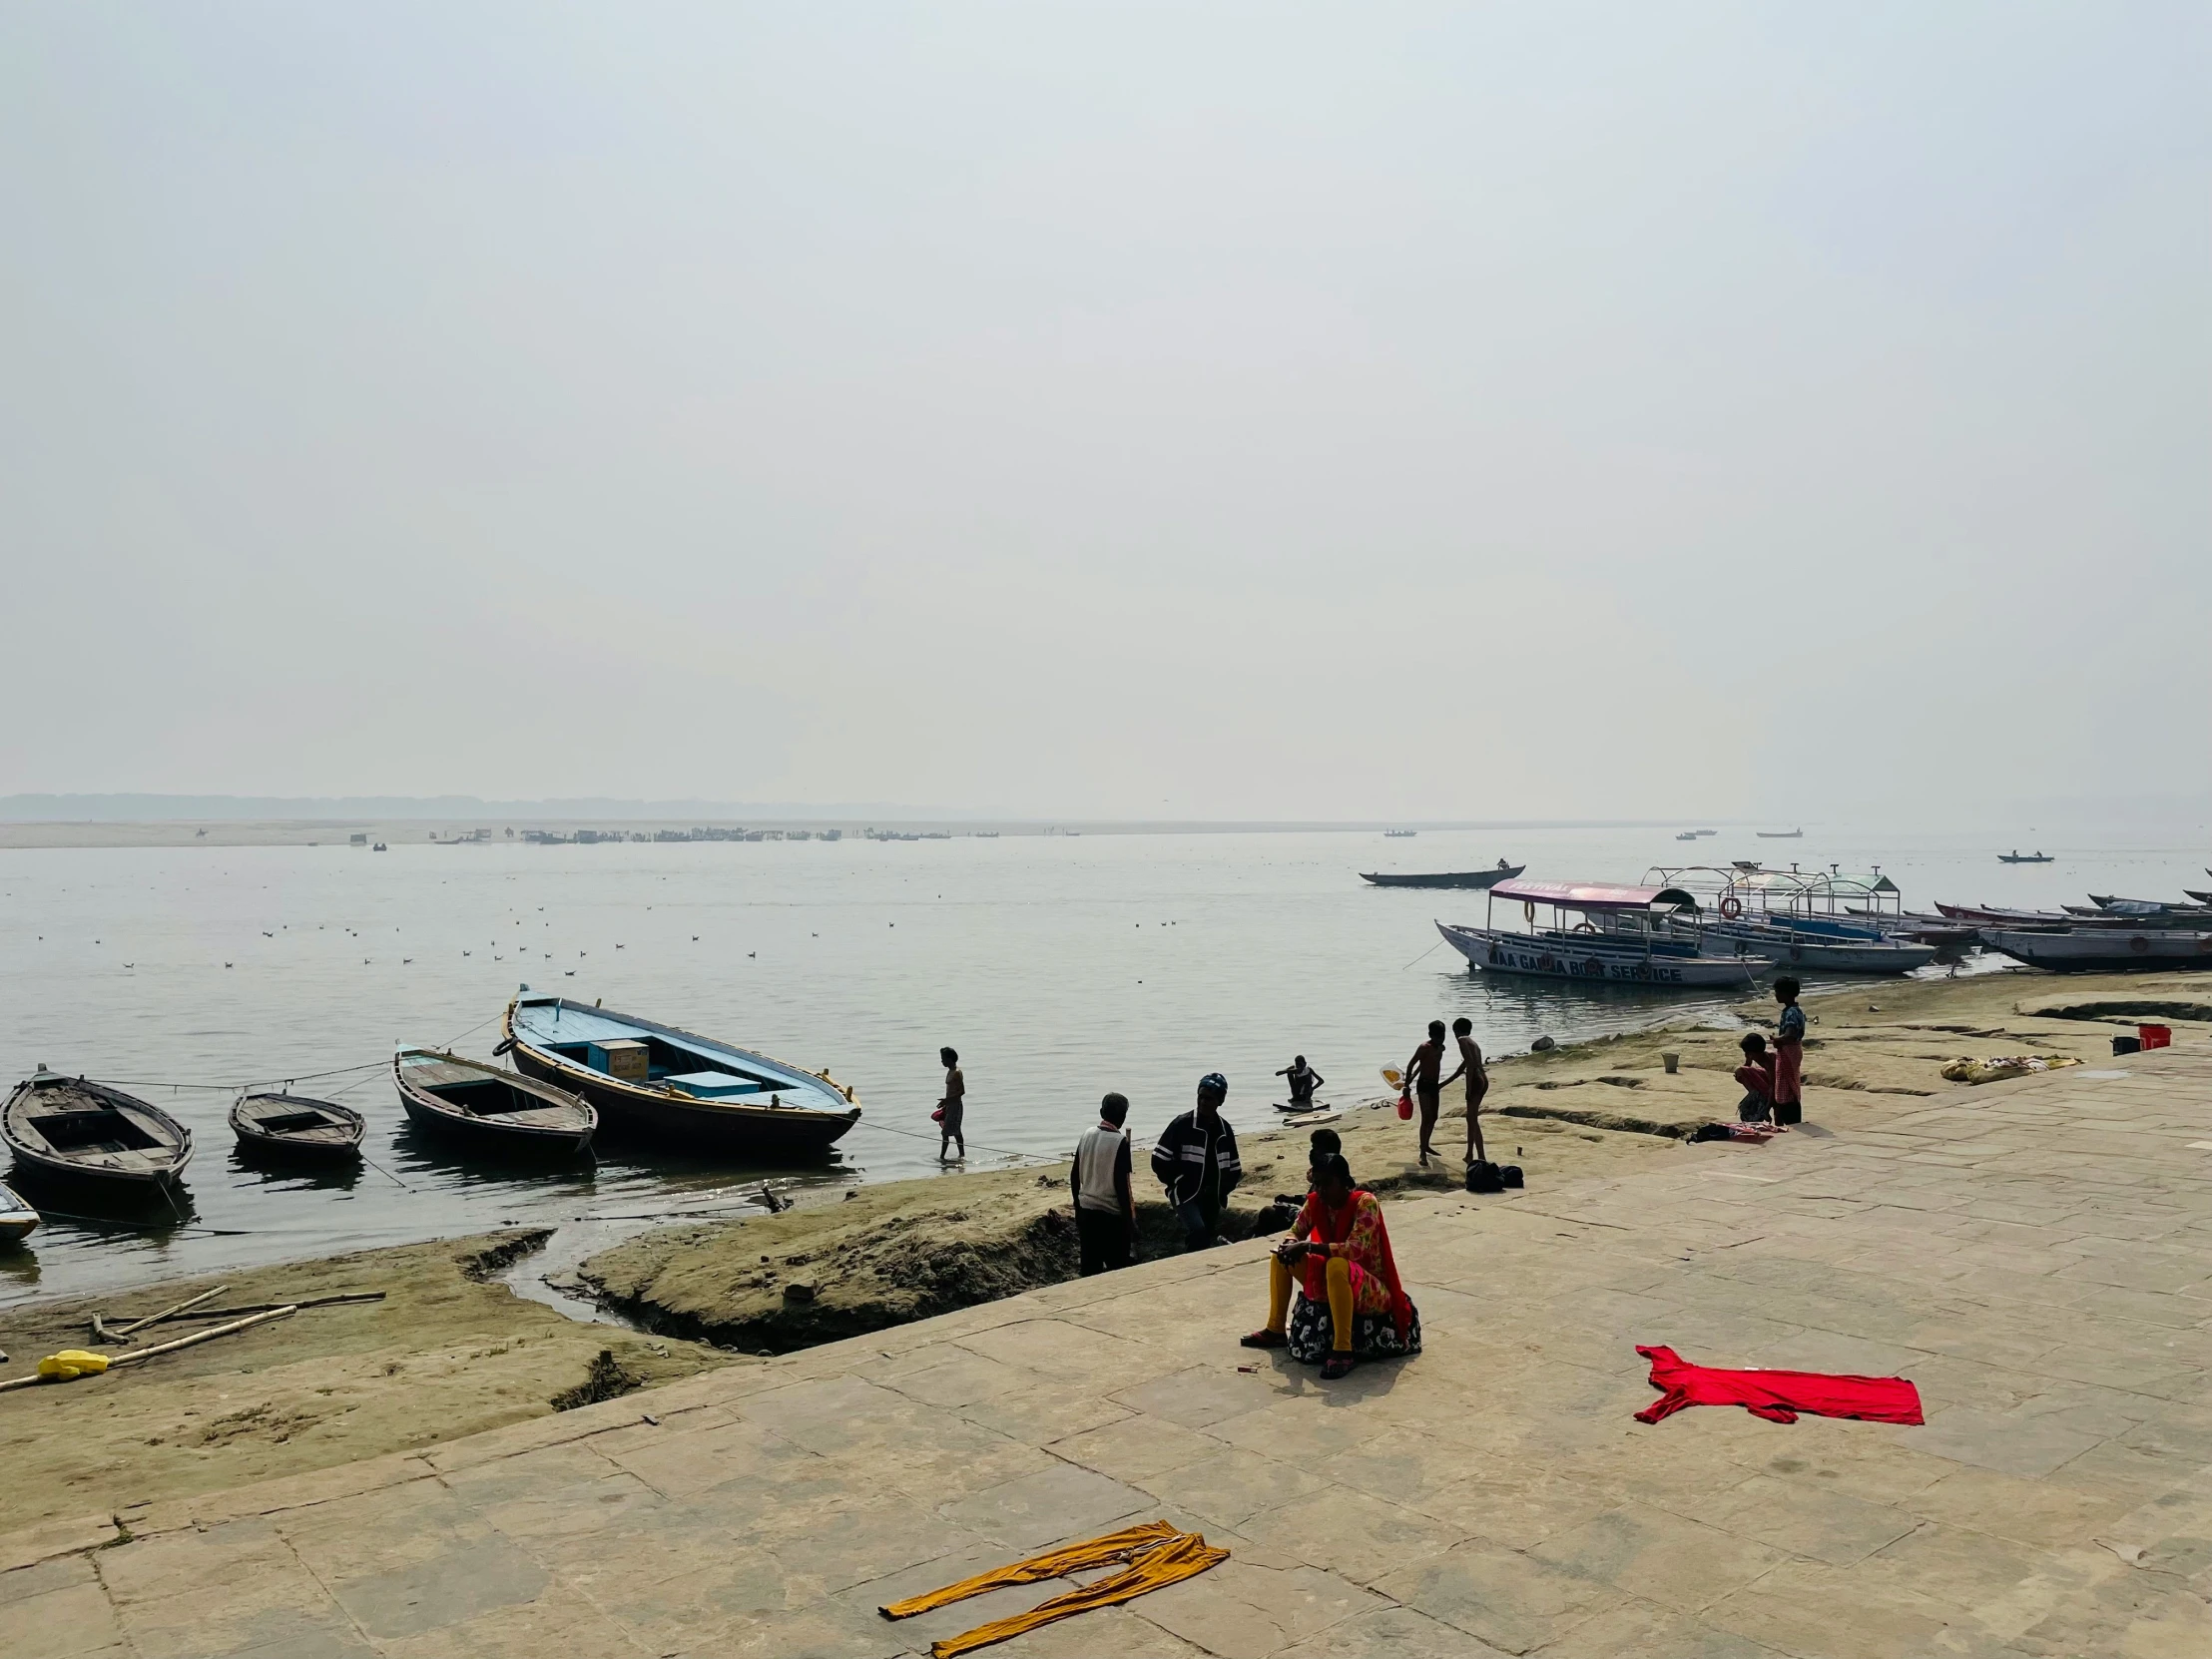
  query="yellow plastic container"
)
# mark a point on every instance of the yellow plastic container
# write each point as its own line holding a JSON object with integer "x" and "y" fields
{"x": 69, "y": 1363}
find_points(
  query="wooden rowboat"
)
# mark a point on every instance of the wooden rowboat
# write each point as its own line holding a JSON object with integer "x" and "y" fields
{"x": 1463, "y": 880}
{"x": 694, "y": 1093}
{"x": 495, "y": 1110}
{"x": 71, "y": 1129}
{"x": 293, "y": 1126}
{"x": 17, "y": 1218}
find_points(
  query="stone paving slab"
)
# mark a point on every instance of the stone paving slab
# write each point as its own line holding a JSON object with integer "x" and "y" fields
{"x": 2037, "y": 1256}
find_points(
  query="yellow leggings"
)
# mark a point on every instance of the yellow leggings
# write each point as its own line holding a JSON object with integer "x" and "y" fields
{"x": 1280, "y": 1283}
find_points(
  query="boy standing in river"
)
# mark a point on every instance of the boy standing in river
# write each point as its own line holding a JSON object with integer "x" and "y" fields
{"x": 952, "y": 1109}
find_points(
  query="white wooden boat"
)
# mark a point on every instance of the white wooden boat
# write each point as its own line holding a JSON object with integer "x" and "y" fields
{"x": 2101, "y": 949}
{"x": 17, "y": 1219}
{"x": 1632, "y": 948}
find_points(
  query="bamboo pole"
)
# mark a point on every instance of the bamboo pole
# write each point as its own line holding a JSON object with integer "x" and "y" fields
{"x": 121, "y": 1332}
{"x": 203, "y": 1336}
{"x": 191, "y": 1341}
{"x": 313, "y": 1301}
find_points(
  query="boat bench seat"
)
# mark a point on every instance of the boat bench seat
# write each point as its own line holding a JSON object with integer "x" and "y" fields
{"x": 715, "y": 1085}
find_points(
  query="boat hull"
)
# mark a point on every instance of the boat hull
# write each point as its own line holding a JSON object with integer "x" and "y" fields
{"x": 340, "y": 1142}
{"x": 155, "y": 1163}
{"x": 1463, "y": 881}
{"x": 2104, "y": 950}
{"x": 488, "y": 1135}
{"x": 1493, "y": 950}
{"x": 762, "y": 1134}
{"x": 1827, "y": 955}
{"x": 17, "y": 1219}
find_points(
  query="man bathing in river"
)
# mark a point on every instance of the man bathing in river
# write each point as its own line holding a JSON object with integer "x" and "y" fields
{"x": 1422, "y": 1078}
{"x": 1304, "y": 1080}
{"x": 1479, "y": 1086}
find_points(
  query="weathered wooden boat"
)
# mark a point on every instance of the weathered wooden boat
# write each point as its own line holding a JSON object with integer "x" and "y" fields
{"x": 1463, "y": 880}
{"x": 293, "y": 1126}
{"x": 676, "y": 1087}
{"x": 2101, "y": 949}
{"x": 1633, "y": 947}
{"x": 17, "y": 1219}
{"x": 2200, "y": 895}
{"x": 2016, "y": 857}
{"x": 70, "y": 1129}
{"x": 1989, "y": 913}
{"x": 495, "y": 1110}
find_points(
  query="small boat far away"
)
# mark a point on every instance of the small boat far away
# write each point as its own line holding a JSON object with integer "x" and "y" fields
{"x": 1399, "y": 834}
{"x": 1781, "y": 835}
{"x": 68, "y": 1128}
{"x": 1463, "y": 879}
{"x": 17, "y": 1219}
{"x": 1687, "y": 835}
{"x": 685, "y": 1091}
{"x": 495, "y": 1110}
{"x": 293, "y": 1126}
{"x": 2016, "y": 857}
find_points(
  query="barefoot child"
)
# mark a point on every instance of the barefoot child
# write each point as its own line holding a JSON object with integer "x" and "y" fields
{"x": 1479, "y": 1086}
{"x": 1789, "y": 1056}
{"x": 1757, "y": 1077}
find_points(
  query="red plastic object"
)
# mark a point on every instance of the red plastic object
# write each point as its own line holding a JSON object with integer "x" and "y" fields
{"x": 2156, "y": 1037}
{"x": 1405, "y": 1105}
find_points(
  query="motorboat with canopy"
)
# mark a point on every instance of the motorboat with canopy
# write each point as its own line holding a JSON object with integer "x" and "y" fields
{"x": 1813, "y": 922}
{"x": 1623, "y": 935}
{"x": 683, "y": 1090}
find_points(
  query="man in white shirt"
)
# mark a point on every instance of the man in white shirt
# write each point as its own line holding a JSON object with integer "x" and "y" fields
{"x": 1105, "y": 1212}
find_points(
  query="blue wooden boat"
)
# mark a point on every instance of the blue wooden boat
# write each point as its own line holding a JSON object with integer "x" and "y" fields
{"x": 689, "y": 1092}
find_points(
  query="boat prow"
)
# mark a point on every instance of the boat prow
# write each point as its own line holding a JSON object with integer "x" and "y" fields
{"x": 673, "y": 1086}
{"x": 70, "y": 1129}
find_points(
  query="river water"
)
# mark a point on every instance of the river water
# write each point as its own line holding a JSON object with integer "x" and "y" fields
{"x": 1061, "y": 966}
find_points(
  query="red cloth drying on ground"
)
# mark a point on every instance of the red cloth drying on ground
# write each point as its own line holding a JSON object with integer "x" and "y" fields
{"x": 1777, "y": 1395}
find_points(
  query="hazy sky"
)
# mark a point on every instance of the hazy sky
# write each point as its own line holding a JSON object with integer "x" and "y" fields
{"x": 1182, "y": 410}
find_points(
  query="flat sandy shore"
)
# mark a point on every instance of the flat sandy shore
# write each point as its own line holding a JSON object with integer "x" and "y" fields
{"x": 449, "y": 1353}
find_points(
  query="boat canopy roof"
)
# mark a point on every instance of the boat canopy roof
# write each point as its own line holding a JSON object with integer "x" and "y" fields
{"x": 1594, "y": 895}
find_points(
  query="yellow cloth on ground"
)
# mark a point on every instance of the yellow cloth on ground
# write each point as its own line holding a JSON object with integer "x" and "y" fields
{"x": 1155, "y": 1554}
{"x": 1111, "y": 1550}
{"x": 1183, "y": 1556}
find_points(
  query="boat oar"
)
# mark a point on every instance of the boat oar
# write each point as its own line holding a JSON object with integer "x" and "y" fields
{"x": 122, "y": 1333}
{"x": 191, "y": 1341}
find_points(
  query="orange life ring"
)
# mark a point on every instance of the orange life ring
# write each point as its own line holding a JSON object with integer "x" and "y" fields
{"x": 1528, "y": 913}
{"x": 1732, "y": 908}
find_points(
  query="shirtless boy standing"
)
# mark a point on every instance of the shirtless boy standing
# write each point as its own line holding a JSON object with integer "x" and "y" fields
{"x": 1479, "y": 1086}
{"x": 952, "y": 1109}
{"x": 1420, "y": 1076}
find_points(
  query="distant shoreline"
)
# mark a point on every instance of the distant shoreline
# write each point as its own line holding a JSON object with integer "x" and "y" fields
{"x": 492, "y": 829}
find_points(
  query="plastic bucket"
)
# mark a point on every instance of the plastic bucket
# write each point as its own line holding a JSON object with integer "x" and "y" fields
{"x": 1673, "y": 1063}
{"x": 2155, "y": 1036}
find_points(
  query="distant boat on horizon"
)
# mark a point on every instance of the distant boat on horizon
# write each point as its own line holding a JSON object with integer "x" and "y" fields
{"x": 1399, "y": 834}
{"x": 1781, "y": 835}
{"x": 2016, "y": 857}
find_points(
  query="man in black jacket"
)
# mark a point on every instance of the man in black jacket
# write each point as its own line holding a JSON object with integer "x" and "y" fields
{"x": 1196, "y": 1160}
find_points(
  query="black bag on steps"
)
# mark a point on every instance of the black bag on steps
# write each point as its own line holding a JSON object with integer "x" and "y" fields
{"x": 1484, "y": 1178}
